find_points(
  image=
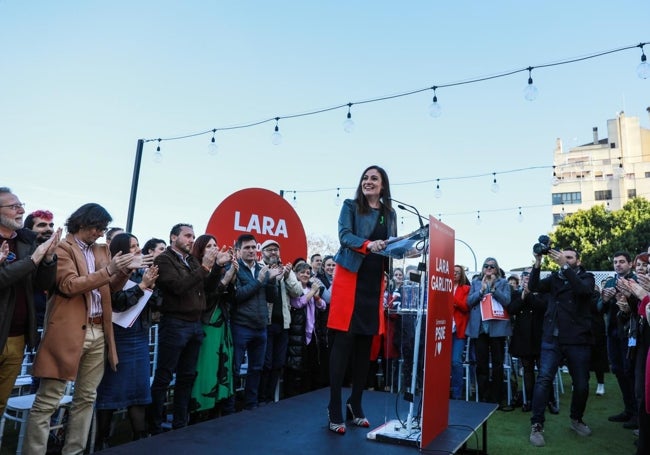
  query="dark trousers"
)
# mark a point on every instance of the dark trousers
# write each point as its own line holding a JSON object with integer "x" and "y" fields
{"x": 252, "y": 342}
{"x": 277, "y": 339}
{"x": 490, "y": 348}
{"x": 346, "y": 346}
{"x": 179, "y": 343}
{"x": 578, "y": 362}
{"x": 623, "y": 369}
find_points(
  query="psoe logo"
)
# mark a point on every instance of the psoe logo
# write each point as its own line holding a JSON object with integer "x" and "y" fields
{"x": 440, "y": 337}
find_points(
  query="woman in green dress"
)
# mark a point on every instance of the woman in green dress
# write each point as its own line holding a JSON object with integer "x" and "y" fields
{"x": 214, "y": 380}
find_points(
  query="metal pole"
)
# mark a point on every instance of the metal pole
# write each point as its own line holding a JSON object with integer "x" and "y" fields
{"x": 134, "y": 185}
{"x": 472, "y": 251}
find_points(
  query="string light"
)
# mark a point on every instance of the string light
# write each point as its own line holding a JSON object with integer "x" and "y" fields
{"x": 213, "y": 148}
{"x": 276, "y": 137}
{"x": 348, "y": 124}
{"x": 402, "y": 221}
{"x": 337, "y": 201}
{"x": 435, "y": 110}
{"x": 478, "y": 217}
{"x": 520, "y": 217}
{"x": 438, "y": 192}
{"x": 294, "y": 201}
{"x": 643, "y": 69}
{"x": 440, "y": 217}
{"x": 530, "y": 91}
{"x": 495, "y": 186}
{"x": 555, "y": 181}
{"x": 157, "y": 157}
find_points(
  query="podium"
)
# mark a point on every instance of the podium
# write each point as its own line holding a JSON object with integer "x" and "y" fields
{"x": 434, "y": 242}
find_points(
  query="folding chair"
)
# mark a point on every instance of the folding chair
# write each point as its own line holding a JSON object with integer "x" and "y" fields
{"x": 18, "y": 411}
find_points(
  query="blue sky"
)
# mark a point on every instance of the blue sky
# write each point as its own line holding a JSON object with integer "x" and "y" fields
{"x": 81, "y": 82}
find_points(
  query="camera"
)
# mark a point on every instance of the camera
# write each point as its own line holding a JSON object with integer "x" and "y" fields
{"x": 543, "y": 246}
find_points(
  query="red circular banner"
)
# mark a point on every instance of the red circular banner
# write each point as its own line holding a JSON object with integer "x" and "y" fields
{"x": 264, "y": 214}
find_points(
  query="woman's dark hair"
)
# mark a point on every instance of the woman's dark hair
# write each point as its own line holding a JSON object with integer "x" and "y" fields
{"x": 87, "y": 216}
{"x": 121, "y": 242}
{"x": 385, "y": 197}
{"x": 151, "y": 245}
{"x": 198, "y": 250}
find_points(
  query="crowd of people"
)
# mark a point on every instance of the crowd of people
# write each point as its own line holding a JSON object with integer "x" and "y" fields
{"x": 224, "y": 312}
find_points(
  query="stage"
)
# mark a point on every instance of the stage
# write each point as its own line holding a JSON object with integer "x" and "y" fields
{"x": 299, "y": 425}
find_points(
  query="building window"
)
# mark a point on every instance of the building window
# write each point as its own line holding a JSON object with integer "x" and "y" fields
{"x": 567, "y": 198}
{"x": 603, "y": 195}
{"x": 557, "y": 218}
{"x": 631, "y": 193}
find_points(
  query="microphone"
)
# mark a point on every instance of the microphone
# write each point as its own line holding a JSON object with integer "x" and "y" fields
{"x": 402, "y": 205}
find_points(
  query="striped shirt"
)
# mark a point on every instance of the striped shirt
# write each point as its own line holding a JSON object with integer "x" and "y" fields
{"x": 96, "y": 297}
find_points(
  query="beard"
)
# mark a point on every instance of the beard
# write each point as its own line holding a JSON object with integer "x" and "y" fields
{"x": 10, "y": 223}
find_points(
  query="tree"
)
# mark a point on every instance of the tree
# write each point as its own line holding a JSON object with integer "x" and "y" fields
{"x": 597, "y": 233}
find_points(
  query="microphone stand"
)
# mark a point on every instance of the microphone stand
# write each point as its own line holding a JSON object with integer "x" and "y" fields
{"x": 418, "y": 325}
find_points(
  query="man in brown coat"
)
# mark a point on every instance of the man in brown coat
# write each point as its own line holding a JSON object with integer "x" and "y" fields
{"x": 78, "y": 334}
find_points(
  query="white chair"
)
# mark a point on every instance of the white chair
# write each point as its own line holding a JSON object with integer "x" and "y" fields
{"x": 18, "y": 408}
{"x": 470, "y": 372}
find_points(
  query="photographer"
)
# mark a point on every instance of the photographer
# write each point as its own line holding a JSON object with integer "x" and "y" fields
{"x": 566, "y": 334}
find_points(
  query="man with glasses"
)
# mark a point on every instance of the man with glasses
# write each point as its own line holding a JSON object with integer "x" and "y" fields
{"x": 79, "y": 332}
{"x": 24, "y": 267}
{"x": 277, "y": 329}
{"x": 566, "y": 334}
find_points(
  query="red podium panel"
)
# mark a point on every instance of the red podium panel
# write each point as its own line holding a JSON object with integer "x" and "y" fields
{"x": 437, "y": 358}
{"x": 264, "y": 214}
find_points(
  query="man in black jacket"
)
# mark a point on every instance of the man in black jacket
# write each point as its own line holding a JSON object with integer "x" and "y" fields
{"x": 566, "y": 334}
{"x": 23, "y": 267}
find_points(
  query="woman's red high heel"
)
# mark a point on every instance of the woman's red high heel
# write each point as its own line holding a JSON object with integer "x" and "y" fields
{"x": 338, "y": 428}
{"x": 358, "y": 421}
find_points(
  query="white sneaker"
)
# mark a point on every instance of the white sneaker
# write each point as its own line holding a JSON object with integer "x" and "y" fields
{"x": 537, "y": 435}
{"x": 580, "y": 427}
{"x": 600, "y": 389}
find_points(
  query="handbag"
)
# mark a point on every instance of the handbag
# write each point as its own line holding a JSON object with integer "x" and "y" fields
{"x": 491, "y": 309}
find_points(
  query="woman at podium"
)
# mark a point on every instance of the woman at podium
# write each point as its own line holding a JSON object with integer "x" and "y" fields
{"x": 356, "y": 307}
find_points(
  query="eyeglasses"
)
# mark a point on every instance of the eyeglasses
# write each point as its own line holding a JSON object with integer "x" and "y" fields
{"x": 101, "y": 229}
{"x": 15, "y": 207}
{"x": 271, "y": 250}
{"x": 489, "y": 266}
{"x": 525, "y": 274}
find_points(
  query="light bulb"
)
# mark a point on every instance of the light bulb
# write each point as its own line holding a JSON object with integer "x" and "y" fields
{"x": 643, "y": 69}
{"x": 213, "y": 148}
{"x": 157, "y": 157}
{"x": 495, "y": 186}
{"x": 435, "y": 110}
{"x": 530, "y": 91}
{"x": 520, "y": 217}
{"x": 348, "y": 125}
{"x": 478, "y": 218}
{"x": 276, "y": 137}
{"x": 337, "y": 200}
{"x": 438, "y": 192}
